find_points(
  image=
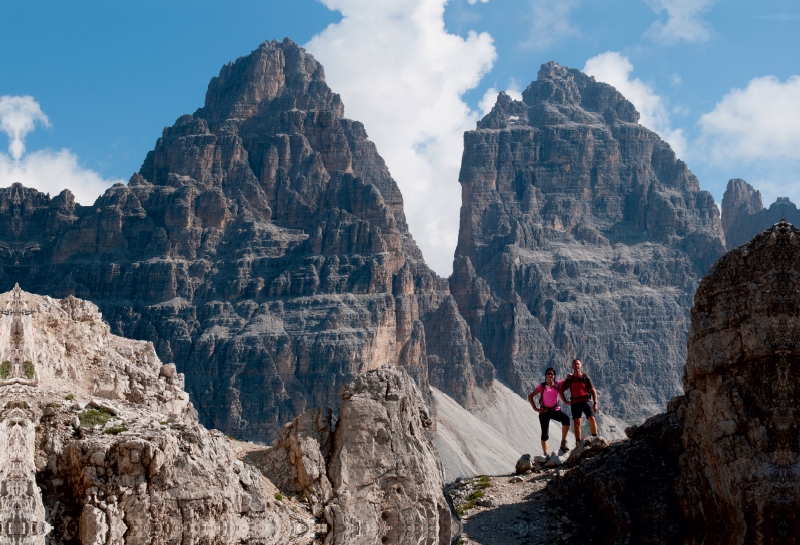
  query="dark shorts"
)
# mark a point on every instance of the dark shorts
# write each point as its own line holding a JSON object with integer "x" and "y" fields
{"x": 545, "y": 418}
{"x": 582, "y": 407}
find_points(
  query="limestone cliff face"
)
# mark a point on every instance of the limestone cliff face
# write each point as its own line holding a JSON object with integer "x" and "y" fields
{"x": 262, "y": 247}
{"x": 744, "y": 215}
{"x": 582, "y": 235}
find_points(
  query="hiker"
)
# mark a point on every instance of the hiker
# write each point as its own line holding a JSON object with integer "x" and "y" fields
{"x": 581, "y": 389}
{"x": 550, "y": 390}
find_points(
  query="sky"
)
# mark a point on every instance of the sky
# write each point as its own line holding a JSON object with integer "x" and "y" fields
{"x": 87, "y": 87}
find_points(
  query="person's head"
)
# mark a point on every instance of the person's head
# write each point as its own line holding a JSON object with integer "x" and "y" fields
{"x": 550, "y": 374}
{"x": 577, "y": 366}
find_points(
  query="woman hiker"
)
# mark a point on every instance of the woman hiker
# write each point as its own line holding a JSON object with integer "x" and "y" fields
{"x": 550, "y": 410}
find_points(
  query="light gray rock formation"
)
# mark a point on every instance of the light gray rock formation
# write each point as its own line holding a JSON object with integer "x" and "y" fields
{"x": 377, "y": 477}
{"x": 744, "y": 215}
{"x": 742, "y": 457}
{"x": 99, "y": 443}
{"x": 582, "y": 235}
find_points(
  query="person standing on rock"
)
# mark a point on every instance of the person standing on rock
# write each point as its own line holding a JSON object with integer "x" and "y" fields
{"x": 550, "y": 390}
{"x": 581, "y": 390}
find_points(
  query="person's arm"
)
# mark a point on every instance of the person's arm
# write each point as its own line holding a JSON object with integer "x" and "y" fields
{"x": 561, "y": 394}
{"x": 593, "y": 392}
{"x": 531, "y": 401}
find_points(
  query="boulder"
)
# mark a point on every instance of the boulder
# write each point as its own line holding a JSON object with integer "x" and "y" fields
{"x": 591, "y": 446}
{"x": 524, "y": 464}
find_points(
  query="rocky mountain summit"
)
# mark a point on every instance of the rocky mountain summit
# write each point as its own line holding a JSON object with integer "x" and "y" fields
{"x": 744, "y": 215}
{"x": 262, "y": 247}
{"x": 582, "y": 235}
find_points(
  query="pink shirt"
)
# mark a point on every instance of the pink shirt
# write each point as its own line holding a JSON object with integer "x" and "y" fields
{"x": 550, "y": 394}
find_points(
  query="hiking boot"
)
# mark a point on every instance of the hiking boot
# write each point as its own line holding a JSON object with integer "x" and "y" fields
{"x": 564, "y": 446}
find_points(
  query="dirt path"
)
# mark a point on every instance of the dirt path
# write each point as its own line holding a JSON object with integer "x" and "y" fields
{"x": 509, "y": 510}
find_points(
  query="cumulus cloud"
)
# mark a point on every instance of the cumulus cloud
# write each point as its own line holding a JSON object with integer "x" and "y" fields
{"x": 758, "y": 123}
{"x": 403, "y": 75}
{"x": 551, "y": 21}
{"x": 18, "y": 117}
{"x": 684, "y": 22}
{"x": 615, "y": 69}
{"x": 46, "y": 170}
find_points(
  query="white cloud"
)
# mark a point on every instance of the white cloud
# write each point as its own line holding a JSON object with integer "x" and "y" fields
{"x": 550, "y": 22}
{"x": 615, "y": 69}
{"x": 401, "y": 74}
{"x": 473, "y": 2}
{"x": 18, "y": 117}
{"x": 684, "y": 21}
{"x": 46, "y": 170}
{"x": 759, "y": 123}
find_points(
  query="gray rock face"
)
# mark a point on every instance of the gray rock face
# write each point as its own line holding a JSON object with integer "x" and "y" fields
{"x": 626, "y": 493}
{"x": 262, "y": 248}
{"x": 378, "y": 476}
{"x": 741, "y": 454}
{"x": 582, "y": 235}
{"x": 744, "y": 215}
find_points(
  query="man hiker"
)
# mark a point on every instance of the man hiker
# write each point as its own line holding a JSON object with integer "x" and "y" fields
{"x": 581, "y": 389}
{"x": 550, "y": 391}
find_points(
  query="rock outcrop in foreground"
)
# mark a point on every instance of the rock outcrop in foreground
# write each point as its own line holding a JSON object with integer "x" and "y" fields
{"x": 740, "y": 468}
{"x": 582, "y": 235}
{"x": 721, "y": 466}
{"x": 262, "y": 247}
{"x": 744, "y": 215}
{"x": 101, "y": 446}
{"x": 377, "y": 477}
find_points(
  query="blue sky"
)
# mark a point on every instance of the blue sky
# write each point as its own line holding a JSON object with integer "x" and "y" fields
{"x": 718, "y": 79}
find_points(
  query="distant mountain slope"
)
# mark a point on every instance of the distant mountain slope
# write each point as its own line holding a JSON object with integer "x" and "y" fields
{"x": 582, "y": 235}
{"x": 744, "y": 215}
{"x": 262, "y": 247}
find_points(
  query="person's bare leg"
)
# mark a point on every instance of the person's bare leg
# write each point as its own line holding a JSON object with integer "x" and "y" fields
{"x": 577, "y": 423}
{"x": 592, "y": 424}
{"x": 564, "y": 433}
{"x": 544, "y": 448}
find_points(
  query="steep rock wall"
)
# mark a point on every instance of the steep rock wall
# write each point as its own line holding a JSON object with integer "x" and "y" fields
{"x": 582, "y": 235}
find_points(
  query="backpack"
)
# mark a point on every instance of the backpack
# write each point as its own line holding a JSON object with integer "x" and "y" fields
{"x": 586, "y": 383}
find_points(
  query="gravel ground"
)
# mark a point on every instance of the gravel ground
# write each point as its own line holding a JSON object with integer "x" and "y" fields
{"x": 509, "y": 510}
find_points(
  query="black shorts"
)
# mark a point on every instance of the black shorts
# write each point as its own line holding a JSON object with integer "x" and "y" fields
{"x": 584, "y": 407}
{"x": 544, "y": 420}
